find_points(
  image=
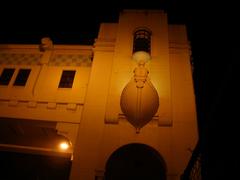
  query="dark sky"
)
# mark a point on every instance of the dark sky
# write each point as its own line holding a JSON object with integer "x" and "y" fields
{"x": 73, "y": 22}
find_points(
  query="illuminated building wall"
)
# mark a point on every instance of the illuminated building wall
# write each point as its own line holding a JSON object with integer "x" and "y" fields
{"x": 77, "y": 91}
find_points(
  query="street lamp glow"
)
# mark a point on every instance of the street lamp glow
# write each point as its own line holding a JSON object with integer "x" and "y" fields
{"x": 64, "y": 145}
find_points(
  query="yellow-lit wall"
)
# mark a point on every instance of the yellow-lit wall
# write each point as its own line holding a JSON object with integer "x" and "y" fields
{"x": 174, "y": 132}
{"x": 40, "y": 98}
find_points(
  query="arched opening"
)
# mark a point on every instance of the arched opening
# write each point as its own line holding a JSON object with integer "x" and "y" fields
{"x": 31, "y": 149}
{"x": 135, "y": 161}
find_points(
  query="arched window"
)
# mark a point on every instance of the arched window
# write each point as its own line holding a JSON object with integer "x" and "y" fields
{"x": 142, "y": 40}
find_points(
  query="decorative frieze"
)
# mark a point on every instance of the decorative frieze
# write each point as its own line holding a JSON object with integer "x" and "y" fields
{"x": 19, "y": 58}
{"x": 70, "y": 60}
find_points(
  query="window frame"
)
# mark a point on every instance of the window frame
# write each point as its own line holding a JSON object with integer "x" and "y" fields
{"x": 67, "y": 79}
{"x": 22, "y": 77}
{"x": 4, "y": 83}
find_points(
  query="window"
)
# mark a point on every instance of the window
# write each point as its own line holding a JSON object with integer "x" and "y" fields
{"x": 67, "y": 79}
{"x": 6, "y": 76}
{"x": 142, "y": 40}
{"x": 22, "y": 77}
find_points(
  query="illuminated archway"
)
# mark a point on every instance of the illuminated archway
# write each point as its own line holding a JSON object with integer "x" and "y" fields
{"x": 135, "y": 161}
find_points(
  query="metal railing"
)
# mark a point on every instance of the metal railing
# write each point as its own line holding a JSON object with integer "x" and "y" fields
{"x": 193, "y": 169}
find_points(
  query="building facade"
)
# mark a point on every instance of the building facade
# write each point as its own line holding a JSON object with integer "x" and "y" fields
{"x": 121, "y": 108}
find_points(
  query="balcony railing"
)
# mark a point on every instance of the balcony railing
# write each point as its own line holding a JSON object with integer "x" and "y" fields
{"x": 193, "y": 169}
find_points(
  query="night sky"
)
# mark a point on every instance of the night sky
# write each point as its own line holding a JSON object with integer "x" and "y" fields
{"x": 214, "y": 34}
{"x": 74, "y": 22}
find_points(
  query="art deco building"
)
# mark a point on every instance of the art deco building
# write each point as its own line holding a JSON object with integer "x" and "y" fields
{"x": 123, "y": 108}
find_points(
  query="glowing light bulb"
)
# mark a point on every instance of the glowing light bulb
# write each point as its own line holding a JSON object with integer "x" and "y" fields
{"x": 64, "y": 145}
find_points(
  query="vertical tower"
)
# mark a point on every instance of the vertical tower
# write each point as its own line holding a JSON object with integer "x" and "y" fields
{"x": 139, "y": 118}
